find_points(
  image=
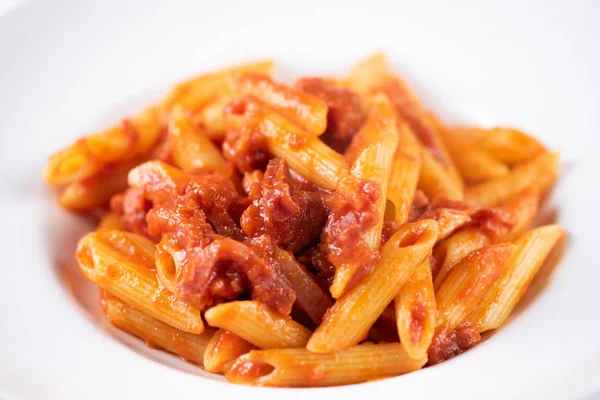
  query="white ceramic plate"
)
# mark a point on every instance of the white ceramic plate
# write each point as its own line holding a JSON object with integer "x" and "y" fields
{"x": 72, "y": 66}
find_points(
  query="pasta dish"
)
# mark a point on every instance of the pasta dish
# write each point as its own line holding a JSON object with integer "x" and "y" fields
{"x": 326, "y": 232}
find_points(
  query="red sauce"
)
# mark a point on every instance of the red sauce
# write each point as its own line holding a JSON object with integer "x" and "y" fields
{"x": 290, "y": 216}
{"x": 494, "y": 222}
{"x": 418, "y": 315}
{"x": 246, "y": 148}
{"x": 446, "y": 345}
{"x": 192, "y": 215}
{"x": 352, "y": 212}
{"x": 345, "y": 115}
{"x": 132, "y": 206}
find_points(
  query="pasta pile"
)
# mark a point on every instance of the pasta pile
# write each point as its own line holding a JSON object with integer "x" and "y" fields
{"x": 323, "y": 233}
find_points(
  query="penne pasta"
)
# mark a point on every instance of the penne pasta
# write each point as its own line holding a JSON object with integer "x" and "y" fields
{"x": 257, "y": 324}
{"x": 71, "y": 164}
{"x": 373, "y": 164}
{"x": 222, "y": 348}
{"x": 442, "y": 153}
{"x": 503, "y": 296}
{"x": 352, "y": 219}
{"x": 404, "y": 173}
{"x": 520, "y": 211}
{"x": 455, "y": 248}
{"x": 212, "y": 118}
{"x": 133, "y": 246}
{"x": 416, "y": 312}
{"x": 349, "y": 320}
{"x": 434, "y": 180}
{"x": 449, "y": 216}
{"x": 192, "y": 150}
{"x": 299, "y": 367}
{"x": 303, "y": 153}
{"x": 111, "y": 221}
{"x": 196, "y": 93}
{"x": 156, "y": 333}
{"x": 368, "y": 75}
{"x": 379, "y": 125}
{"x": 438, "y": 170}
{"x": 473, "y": 163}
{"x": 119, "y": 263}
{"x": 96, "y": 191}
{"x": 468, "y": 282}
{"x": 540, "y": 172}
{"x": 133, "y": 138}
{"x": 303, "y": 109}
{"x": 506, "y": 145}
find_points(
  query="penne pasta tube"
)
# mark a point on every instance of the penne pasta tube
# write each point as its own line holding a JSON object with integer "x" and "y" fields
{"x": 423, "y": 125}
{"x": 373, "y": 164}
{"x": 191, "y": 148}
{"x": 520, "y": 211}
{"x": 305, "y": 110}
{"x": 348, "y": 321}
{"x": 110, "y": 221}
{"x": 416, "y": 312}
{"x": 222, "y": 348}
{"x": 156, "y": 333}
{"x": 449, "y": 216}
{"x": 455, "y": 248}
{"x": 404, "y": 173}
{"x": 434, "y": 180}
{"x": 133, "y": 138}
{"x": 506, "y": 145}
{"x": 379, "y": 125}
{"x": 540, "y": 172}
{"x": 473, "y": 163}
{"x": 131, "y": 245}
{"x": 299, "y": 367}
{"x": 212, "y": 118}
{"x": 95, "y": 191}
{"x": 375, "y": 74}
{"x": 443, "y": 154}
{"x": 467, "y": 283}
{"x": 71, "y": 164}
{"x": 257, "y": 324}
{"x": 197, "y": 92}
{"x": 118, "y": 262}
{"x": 368, "y": 75}
{"x": 503, "y": 296}
{"x": 306, "y": 154}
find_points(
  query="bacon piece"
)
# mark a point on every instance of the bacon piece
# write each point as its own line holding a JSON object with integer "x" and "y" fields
{"x": 209, "y": 265}
{"x": 246, "y": 148}
{"x": 132, "y": 207}
{"x": 289, "y": 215}
{"x": 352, "y": 212}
